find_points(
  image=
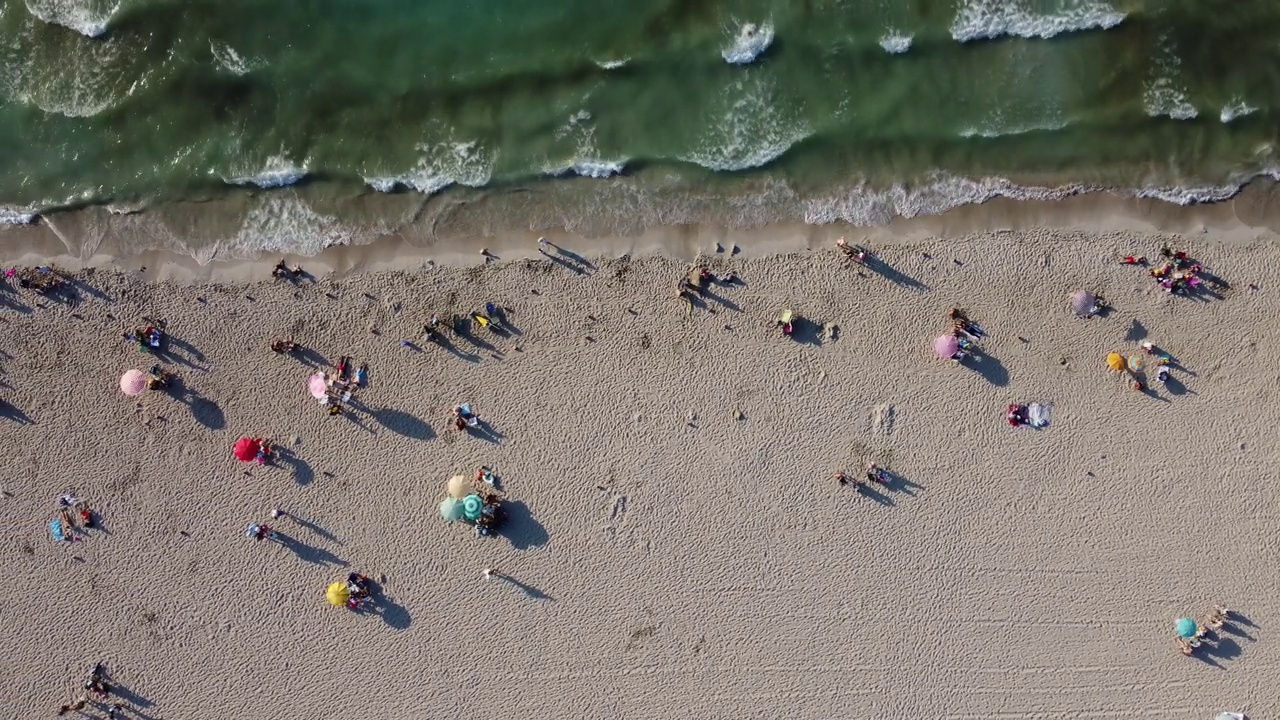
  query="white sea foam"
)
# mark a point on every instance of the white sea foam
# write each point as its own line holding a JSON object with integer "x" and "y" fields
{"x": 278, "y": 171}
{"x": 1164, "y": 92}
{"x": 586, "y": 159}
{"x": 230, "y": 60}
{"x": 87, "y": 17}
{"x": 986, "y": 19}
{"x": 612, "y": 64}
{"x": 440, "y": 165}
{"x": 17, "y": 216}
{"x": 748, "y": 42}
{"x": 93, "y": 79}
{"x": 1236, "y": 108}
{"x": 753, "y": 131}
{"x": 283, "y": 224}
{"x": 896, "y": 42}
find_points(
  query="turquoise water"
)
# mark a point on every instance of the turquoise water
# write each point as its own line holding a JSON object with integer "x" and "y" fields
{"x": 835, "y": 109}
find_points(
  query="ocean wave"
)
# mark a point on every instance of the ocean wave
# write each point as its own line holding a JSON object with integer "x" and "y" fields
{"x": 868, "y": 206}
{"x": 988, "y": 19}
{"x": 590, "y": 168}
{"x": 92, "y": 79}
{"x": 748, "y": 42}
{"x": 1164, "y": 93}
{"x": 752, "y": 132}
{"x": 230, "y": 60}
{"x": 287, "y": 225}
{"x": 1236, "y": 108}
{"x": 440, "y": 165}
{"x": 896, "y": 42}
{"x": 997, "y": 127}
{"x": 612, "y": 64}
{"x": 87, "y": 17}
{"x": 17, "y": 216}
{"x": 277, "y": 172}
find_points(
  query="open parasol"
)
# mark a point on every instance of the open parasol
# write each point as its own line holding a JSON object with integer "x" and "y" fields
{"x": 337, "y": 594}
{"x": 1115, "y": 361}
{"x": 472, "y": 506}
{"x": 1135, "y": 363}
{"x": 133, "y": 383}
{"x": 245, "y": 449}
{"x": 451, "y": 509}
{"x": 945, "y": 346}
{"x": 459, "y": 487}
{"x": 317, "y": 386}
{"x": 1186, "y": 627}
{"x": 1082, "y": 302}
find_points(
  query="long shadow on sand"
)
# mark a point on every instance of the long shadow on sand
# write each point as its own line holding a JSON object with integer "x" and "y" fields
{"x": 9, "y": 411}
{"x": 522, "y": 528}
{"x": 395, "y": 615}
{"x": 303, "y": 474}
{"x": 309, "y": 553}
{"x": 989, "y": 367}
{"x": 530, "y": 591}
{"x": 402, "y": 423}
{"x": 893, "y": 275}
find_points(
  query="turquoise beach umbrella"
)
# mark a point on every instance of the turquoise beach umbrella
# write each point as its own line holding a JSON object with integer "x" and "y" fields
{"x": 472, "y": 506}
{"x": 1186, "y": 627}
{"x": 451, "y": 510}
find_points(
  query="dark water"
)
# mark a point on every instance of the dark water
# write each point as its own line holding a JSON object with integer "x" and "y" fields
{"x": 851, "y": 110}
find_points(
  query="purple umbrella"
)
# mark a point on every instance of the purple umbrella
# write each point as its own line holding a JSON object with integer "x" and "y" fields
{"x": 946, "y": 346}
{"x": 1082, "y": 302}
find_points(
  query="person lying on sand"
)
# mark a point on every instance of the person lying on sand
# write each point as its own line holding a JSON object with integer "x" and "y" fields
{"x": 876, "y": 474}
{"x": 1217, "y": 618}
{"x": 282, "y": 345}
{"x": 853, "y": 252}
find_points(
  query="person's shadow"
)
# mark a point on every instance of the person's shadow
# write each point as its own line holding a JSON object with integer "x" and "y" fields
{"x": 987, "y": 366}
{"x": 309, "y": 553}
{"x": 395, "y": 615}
{"x": 303, "y": 474}
{"x": 9, "y": 411}
{"x": 530, "y": 591}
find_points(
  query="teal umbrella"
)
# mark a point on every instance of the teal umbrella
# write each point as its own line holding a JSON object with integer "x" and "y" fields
{"x": 1186, "y": 627}
{"x": 472, "y": 506}
{"x": 451, "y": 510}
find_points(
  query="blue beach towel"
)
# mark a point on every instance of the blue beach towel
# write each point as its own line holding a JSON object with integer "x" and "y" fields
{"x": 55, "y": 527}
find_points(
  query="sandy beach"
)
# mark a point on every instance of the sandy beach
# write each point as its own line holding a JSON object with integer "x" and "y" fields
{"x": 676, "y": 546}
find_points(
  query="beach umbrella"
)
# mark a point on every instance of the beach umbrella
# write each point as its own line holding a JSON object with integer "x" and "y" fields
{"x": 245, "y": 449}
{"x": 946, "y": 346}
{"x": 451, "y": 509}
{"x": 1186, "y": 627}
{"x": 1115, "y": 361}
{"x": 317, "y": 386}
{"x": 459, "y": 487}
{"x": 133, "y": 383}
{"x": 1082, "y": 302}
{"x": 1135, "y": 363}
{"x": 337, "y": 594}
{"x": 472, "y": 506}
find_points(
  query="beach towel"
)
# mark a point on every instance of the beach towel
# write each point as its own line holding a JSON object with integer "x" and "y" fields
{"x": 55, "y": 528}
{"x": 1038, "y": 414}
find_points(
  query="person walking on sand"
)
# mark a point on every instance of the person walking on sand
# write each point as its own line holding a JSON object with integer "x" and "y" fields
{"x": 489, "y": 573}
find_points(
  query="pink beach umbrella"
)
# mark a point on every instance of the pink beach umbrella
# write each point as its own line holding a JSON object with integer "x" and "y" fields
{"x": 133, "y": 383}
{"x": 317, "y": 386}
{"x": 945, "y": 346}
{"x": 1082, "y": 302}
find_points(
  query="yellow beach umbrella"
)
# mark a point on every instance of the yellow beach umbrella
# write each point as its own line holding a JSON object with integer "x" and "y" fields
{"x": 1115, "y": 362}
{"x": 459, "y": 487}
{"x": 337, "y": 594}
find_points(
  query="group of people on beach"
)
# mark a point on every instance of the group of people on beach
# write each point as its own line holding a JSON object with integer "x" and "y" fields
{"x": 97, "y": 690}
{"x": 872, "y": 473}
{"x": 1205, "y": 630}
{"x": 1177, "y": 273}
{"x": 966, "y": 332}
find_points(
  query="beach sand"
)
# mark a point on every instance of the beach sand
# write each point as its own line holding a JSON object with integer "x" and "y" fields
{"x": 676, "y": 546}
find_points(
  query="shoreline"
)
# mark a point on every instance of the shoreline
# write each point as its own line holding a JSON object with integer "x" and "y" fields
{"x": 97, "y": 238}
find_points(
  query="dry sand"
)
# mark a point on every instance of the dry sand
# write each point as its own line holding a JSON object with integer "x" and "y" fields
{"x": 657, "y": 566}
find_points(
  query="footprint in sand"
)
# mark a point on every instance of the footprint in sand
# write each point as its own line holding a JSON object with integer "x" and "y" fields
{"x": 882, "y": 418}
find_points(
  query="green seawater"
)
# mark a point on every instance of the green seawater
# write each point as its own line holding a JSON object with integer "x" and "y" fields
{"x": 856, "y": 109}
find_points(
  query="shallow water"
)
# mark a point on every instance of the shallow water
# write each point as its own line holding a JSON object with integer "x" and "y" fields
{"x": 853, "y": 110}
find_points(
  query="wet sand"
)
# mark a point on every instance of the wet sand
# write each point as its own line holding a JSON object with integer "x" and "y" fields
{"x": 676, "y": 545}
